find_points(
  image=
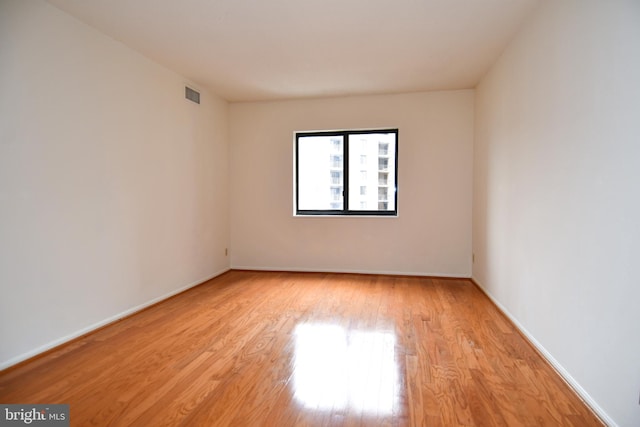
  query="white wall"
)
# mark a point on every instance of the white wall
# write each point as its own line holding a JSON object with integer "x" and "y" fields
{"x": 556, "y": 205}
{"x": 432, "y": 234}
{"x": 113, "y": 187}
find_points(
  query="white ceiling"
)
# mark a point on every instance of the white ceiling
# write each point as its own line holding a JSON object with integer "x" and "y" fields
{"x": 247, "y": 50}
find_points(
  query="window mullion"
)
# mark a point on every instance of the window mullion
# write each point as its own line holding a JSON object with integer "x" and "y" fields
{"x": 345, "y": 169}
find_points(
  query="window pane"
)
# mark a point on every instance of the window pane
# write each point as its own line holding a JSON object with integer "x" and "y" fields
{"x": 374, "y": 174}
{"x": 320, "y": 172}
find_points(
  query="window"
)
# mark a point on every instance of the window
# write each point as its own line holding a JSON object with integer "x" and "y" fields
{"x": 382, "y": 194}
{"x": 383, "y": 178}
{"x": 324, "y": 184}
{"x": 336, "y": 193}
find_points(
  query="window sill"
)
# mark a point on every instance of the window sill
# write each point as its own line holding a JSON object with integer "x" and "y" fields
{"x": 344, "y": 216}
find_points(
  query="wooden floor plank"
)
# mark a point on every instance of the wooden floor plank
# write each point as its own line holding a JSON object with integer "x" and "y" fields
{"x": 384, "y": 350}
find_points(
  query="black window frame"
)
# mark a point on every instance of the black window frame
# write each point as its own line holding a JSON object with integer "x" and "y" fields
{"x": 345, "y": 211}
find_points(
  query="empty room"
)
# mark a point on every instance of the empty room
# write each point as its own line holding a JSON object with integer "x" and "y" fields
{"x": 320, "y": 213}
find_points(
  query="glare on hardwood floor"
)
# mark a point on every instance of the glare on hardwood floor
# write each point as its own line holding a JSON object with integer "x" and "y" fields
{"x": 337, "y": 369}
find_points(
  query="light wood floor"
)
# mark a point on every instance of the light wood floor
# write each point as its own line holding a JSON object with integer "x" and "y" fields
{"x": 289, "y": 349}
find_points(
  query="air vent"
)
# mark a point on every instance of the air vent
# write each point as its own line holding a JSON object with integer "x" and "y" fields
{"x": 192, "y": 95}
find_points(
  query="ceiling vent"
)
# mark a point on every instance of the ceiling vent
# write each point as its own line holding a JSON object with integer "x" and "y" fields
{"x": 192, "y": 95}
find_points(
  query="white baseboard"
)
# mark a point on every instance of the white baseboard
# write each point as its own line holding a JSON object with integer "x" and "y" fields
{"x": 350, "y": 271}
{"x": 552, "y": 361}
{"x": 83, "y": 331}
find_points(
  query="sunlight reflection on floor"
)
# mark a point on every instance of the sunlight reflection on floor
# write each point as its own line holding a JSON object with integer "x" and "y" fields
{"x": 339, "y": 369}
